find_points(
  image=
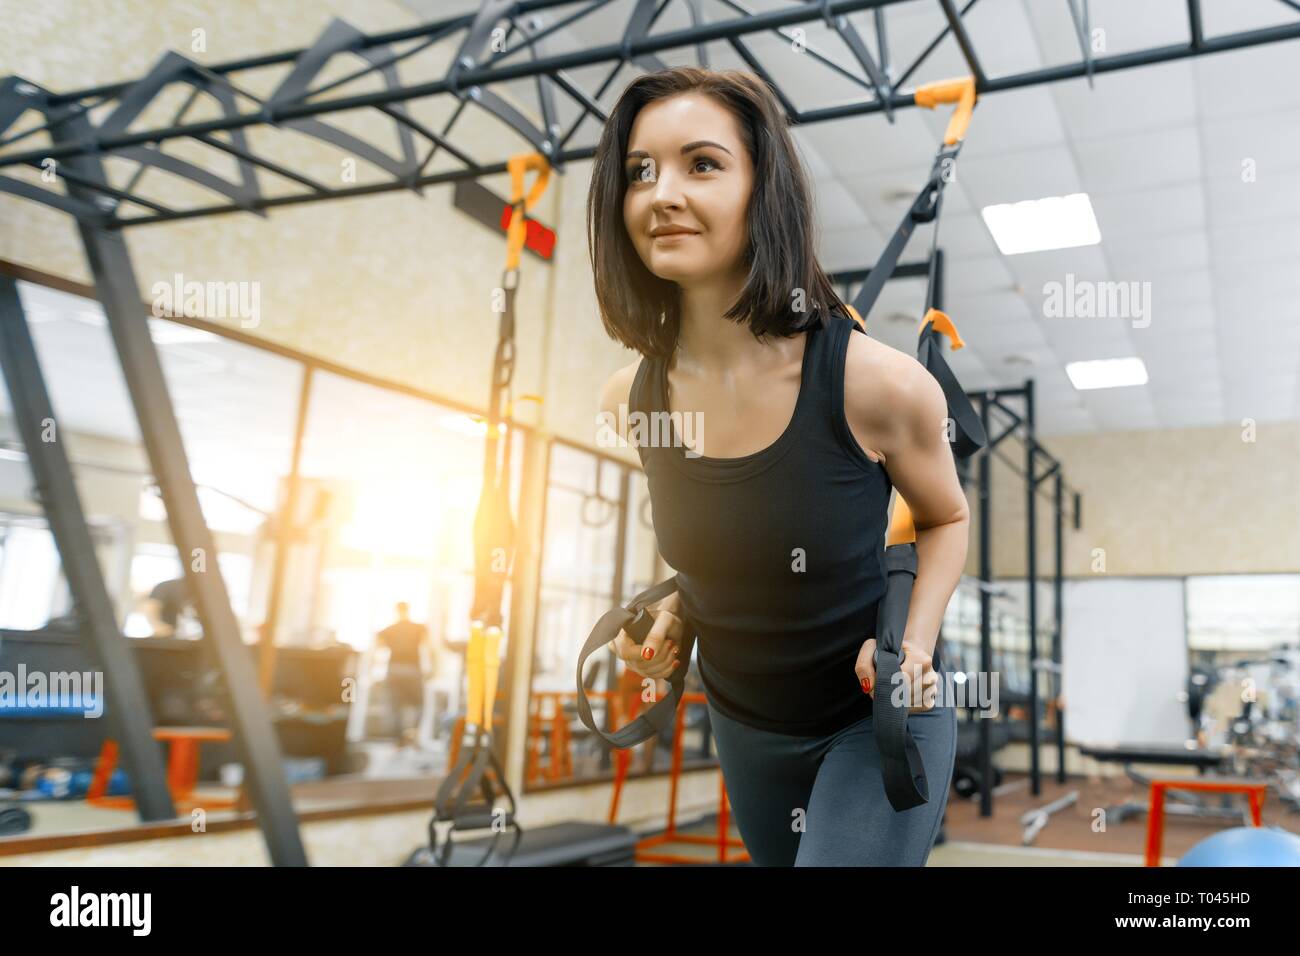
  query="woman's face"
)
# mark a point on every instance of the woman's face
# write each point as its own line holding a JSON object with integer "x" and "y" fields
{"x": 687, "y": 168}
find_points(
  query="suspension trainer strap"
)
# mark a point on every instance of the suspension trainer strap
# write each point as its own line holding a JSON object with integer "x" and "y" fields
{"x": 637, "y": 621}
{"x": 900, "y": 758}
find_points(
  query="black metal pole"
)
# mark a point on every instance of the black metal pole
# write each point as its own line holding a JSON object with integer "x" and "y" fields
{"x": 1031, "y": 581}
{"x": 127, "y": 704}
{"x": 986, "y": 622}
{"x": 115, "y": 282}
{"x": 1194, "y": 24}
{"x": 1058, "y": 600}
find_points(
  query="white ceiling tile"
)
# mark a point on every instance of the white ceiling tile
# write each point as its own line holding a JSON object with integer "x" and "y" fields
{"x": 1149, "y": 211}
{"x": 849, "y": 249}
{"x": 998, "y": 307}
{"x": 1127, "y": 102}
{"x": 1163, "y": 157}
{"x": 1234, "y": 16}
{"x": 966, "y": 236}
{"x": 1177, "y": 288}
{"x": 1248, "y": 80}
{"x": 1013, "y": 177}
{"x": 836, "y": 207}
{"x": 1124, "y": 26}
{"x": 1233, "y": 202}
{"x": 1134, "y": 259}
{"x": 858, "y": 146}
{"x": 1269, "y": 141}
{"x": 1064, "y": 266}
{"x": 1192, "y": 342}
{"x": 1276, "y": 239}
{"x": 965, "y": 277}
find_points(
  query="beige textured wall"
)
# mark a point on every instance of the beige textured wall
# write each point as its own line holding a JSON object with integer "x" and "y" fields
{"x": 1175, "y": 502}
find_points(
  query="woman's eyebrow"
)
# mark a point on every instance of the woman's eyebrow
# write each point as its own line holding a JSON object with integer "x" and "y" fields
{"x": 642, "y": 154}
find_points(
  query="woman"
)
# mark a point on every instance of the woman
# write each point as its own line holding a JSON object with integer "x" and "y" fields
{"x": 701, "y": 234}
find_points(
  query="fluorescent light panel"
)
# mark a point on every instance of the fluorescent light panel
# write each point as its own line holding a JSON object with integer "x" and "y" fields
{"x": 1107, "y": 373}
{"x": 1036, "y": 225}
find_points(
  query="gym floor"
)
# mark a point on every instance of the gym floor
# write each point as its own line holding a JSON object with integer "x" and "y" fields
{"x": 254, "y": 348}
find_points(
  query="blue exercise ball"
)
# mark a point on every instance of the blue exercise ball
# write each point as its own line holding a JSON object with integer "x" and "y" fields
{"x": 1246, "y": 846}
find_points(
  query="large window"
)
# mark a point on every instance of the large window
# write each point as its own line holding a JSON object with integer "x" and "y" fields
{"x": 1243, "y": 613}
{"x": 385, "y": 493}
{"x": 599, "y": 551}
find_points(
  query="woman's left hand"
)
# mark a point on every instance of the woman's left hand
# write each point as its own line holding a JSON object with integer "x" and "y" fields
{"x": 917, "y": 670}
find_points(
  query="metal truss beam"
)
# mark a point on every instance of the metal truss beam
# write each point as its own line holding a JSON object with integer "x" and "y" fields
{"x": 504, "y": 41}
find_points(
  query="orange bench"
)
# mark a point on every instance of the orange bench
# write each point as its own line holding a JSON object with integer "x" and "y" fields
{"x": 1255, "y": 791}
{"x": 182, "y": 768}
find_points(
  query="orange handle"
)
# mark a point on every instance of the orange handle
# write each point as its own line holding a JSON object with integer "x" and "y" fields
{"x": 474, "y": 671}
{"x": 961, "y": 92}
{"x": 901, "y": 528}
{"x": 944, "y": 325}
{"x": 518, "y": 232}
{"x": 491, "y": 667}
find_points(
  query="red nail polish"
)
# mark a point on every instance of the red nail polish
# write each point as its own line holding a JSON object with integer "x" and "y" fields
{"x": 866, "y": 686}
{"x": 647, "y": 653}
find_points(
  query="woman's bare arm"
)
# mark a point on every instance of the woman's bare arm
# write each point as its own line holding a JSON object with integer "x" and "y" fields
{"x": 897, "y": 412}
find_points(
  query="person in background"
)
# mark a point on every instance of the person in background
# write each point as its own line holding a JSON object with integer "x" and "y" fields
{"x": 165, "y": 605}
{"x": 410, "y": 662}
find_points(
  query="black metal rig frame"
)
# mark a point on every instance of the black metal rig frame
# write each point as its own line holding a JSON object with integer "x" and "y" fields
{"x": 86, "y": 127}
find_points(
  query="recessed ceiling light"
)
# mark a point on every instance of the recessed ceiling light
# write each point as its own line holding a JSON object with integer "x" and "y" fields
{"x": 1107, "y": 373}
{"x": 1036, "y": 225}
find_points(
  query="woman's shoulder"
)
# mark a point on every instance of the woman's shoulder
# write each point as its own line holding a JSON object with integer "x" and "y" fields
{"x": 885, "y": 389}
{"x": 618, "y": 387}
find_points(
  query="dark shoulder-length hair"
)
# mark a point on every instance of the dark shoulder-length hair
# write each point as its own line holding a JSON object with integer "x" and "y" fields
{"x": 640, "y": 309}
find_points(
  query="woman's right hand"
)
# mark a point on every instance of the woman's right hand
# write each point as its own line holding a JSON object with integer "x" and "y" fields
{"x": 658, "y": 656}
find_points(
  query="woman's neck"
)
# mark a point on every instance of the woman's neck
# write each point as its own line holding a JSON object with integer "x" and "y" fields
{"x": 713, "y": 346}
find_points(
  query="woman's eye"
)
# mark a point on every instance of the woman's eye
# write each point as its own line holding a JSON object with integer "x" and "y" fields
{"x": 705, "y": 159}
{"x": 641, "y": 173}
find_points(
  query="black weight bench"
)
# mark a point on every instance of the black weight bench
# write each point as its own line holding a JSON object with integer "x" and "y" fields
{"x": 1206, "y": 759}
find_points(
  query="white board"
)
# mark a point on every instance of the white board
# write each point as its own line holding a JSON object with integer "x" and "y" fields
{"x": 1124, "y": 658}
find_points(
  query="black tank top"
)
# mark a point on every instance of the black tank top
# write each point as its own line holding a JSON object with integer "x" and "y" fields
{"x": 778, "y": 553}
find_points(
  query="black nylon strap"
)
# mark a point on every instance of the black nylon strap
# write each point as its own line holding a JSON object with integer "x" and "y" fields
{"x": 969, "y": 436}
{"x": 637, "y": 622}
{"x": 901, "y": 765}
{"x": 923, "y": 209}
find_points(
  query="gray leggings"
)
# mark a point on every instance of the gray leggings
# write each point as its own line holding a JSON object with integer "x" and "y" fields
{"x": 835, "y": 780}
